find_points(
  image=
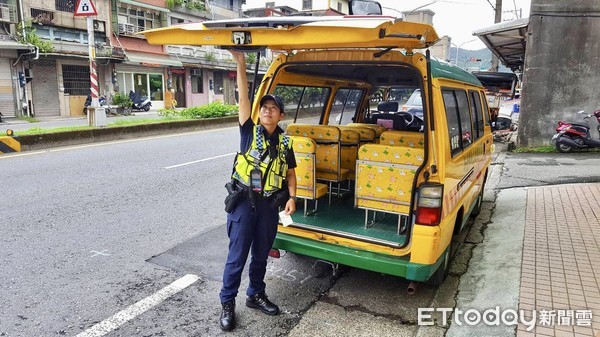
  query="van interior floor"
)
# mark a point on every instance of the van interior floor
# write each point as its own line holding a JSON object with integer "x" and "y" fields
{"x": 341, "y": 218}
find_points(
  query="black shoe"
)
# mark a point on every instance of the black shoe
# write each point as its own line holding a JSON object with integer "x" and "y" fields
{"x": 227, "y": 318}
{"x": 260, "y": 301}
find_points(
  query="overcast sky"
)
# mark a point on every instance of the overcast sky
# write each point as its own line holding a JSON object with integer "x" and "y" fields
{"x": 459, "y": 18}
{"x": 455, "y": 18}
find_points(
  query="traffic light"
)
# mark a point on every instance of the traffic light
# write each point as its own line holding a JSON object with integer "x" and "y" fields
{"x": 21, "y": 79}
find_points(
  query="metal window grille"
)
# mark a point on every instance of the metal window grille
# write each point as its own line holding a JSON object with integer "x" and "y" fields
{"x": 65, "y": 5}
{"x": 42, "y": 16}
{"x": 76, "y": 80}
{"x": 136, "y": 20}
{"x": 306, "y": 5}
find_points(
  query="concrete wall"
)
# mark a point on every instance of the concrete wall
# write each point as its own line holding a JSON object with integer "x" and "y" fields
{"x": 561, "y": 67}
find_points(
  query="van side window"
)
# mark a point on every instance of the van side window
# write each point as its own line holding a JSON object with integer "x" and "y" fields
{"x": 466, "y": 128}
{"x": 452, "y": 119}
{"x": 344, "y": 106}
{"x": 486, "y": 111}
{"x": 302, "y": 102}
{"x": 476, "y": 114}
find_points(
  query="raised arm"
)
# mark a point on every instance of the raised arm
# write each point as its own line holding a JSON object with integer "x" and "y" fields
{"x": 242, "y": 83}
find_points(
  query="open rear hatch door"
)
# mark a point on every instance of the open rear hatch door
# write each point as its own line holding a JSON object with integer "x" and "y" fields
{"x": 298, "y": 33}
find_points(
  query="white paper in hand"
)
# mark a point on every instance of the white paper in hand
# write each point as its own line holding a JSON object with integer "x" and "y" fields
{"x": 286, "y": 219}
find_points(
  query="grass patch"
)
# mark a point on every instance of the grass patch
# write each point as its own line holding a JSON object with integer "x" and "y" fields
{"x": 537, "y": 149}
{"x": 28, "y": 119}
{"x": 129, "y": 122}
{"x": 40, "y": 131}
{"x": 124, "y": 122}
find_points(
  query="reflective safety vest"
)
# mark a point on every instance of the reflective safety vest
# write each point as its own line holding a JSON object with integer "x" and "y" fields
{"x": 274, "y": 170}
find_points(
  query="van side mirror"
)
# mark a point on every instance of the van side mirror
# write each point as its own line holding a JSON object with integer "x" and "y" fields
{"x": 365, "y": 7}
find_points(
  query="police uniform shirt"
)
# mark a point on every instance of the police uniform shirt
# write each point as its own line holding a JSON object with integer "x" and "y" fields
{"x": 247, "y": 134}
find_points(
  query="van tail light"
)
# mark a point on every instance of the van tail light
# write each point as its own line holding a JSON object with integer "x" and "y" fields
{"x": 429, "y": 205}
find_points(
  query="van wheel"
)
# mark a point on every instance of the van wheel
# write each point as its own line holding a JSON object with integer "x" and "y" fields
{"x": 443, "y": 270}
{"x": 477, "y": 209}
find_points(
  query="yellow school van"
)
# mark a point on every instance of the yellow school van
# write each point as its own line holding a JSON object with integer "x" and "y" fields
{"x": 385, "y": 185}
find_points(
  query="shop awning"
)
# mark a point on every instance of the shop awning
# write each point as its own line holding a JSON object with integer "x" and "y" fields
{"x": 507, "y": 40}
{"x": 14, "y": 45}
{"x": 143, "y": 5}
{"x": 153, "y": 60}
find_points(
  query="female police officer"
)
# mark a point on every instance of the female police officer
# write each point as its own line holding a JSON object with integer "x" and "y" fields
{"x": 265, "y": 160}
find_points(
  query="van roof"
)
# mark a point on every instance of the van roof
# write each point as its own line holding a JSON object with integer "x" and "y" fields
{"x": 442, "y": 69}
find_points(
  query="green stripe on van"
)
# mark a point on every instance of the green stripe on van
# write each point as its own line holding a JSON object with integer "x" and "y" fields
{"x": 381, "y": 263}
{"x": 446, "y": 70}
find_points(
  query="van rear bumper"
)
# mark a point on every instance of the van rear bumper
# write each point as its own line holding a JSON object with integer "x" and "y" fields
{"x": 392, "y": 265}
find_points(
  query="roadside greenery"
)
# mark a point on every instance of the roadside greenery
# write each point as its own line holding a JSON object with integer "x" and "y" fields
{"x": 31, "y": 37}
{"x": 211, "y": 110}
{"x": 28, "y": 119}
{"x": 40, "y": 131}
{"x": 538, "y": 149}
{"x": 128, "y": 122}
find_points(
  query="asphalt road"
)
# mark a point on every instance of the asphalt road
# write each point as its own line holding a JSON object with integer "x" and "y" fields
{"x": 87, "y": 232}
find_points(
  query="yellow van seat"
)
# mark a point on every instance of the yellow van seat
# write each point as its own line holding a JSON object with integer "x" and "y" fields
{"x": 328, "y": 153}
{"x": 367, "y": 135}
{"x": 307, "y": 186}
{"x": 384, "y": 178}
{"x": 379, "y": 129}
{"x": 402, "y": 138}
{"x": 350, "y": 143}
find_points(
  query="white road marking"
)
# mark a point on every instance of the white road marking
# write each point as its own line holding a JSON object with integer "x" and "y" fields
{"x": 199, "y": 161}
{"x": 138, "y": 308}
{"x": 96, "y": 253}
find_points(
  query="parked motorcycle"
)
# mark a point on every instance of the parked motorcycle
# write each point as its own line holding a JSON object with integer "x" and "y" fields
{"x": 101, "y": 100}
{"x": 572, "y": 136}
{"x": 139, "y": 102}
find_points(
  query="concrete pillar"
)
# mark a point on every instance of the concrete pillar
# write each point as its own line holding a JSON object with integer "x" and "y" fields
{"x": 561, "y": 67}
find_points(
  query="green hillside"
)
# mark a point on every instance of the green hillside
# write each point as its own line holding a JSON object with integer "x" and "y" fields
{"x": 467, "y": 59}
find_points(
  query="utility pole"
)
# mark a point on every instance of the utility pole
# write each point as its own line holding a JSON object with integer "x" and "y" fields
{"x": 497, "y": 18}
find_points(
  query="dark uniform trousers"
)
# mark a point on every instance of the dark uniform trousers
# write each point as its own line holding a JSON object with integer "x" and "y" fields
{"x": 248, "y": 228}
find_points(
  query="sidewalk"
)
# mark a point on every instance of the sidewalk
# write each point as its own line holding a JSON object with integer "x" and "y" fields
{"x": 550, "y": 268}
{"x": 560, "y": 272}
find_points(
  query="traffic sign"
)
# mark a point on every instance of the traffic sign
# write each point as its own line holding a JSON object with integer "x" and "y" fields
{"x": 85, "y": 8}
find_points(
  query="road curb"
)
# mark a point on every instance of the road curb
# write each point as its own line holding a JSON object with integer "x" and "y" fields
{"x": 42, "y": 141}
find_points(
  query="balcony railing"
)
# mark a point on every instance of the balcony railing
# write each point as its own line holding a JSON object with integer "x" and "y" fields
{"x": 109, "y": 52}
{"x": 215, "y": 55}
{"x": 8, "y": 13}
{"x": 130, "y": 30}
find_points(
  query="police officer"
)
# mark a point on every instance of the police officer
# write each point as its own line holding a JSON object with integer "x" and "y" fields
{"x": 262, "y": 167}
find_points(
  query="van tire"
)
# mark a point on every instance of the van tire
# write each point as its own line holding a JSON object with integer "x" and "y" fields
{"x": 443, "y": 270}
{"x": 479, "y": 203}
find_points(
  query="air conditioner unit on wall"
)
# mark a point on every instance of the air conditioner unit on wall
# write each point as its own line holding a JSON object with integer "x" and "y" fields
{"x": 196, "y": 72}
{"x": 4, "y": 14}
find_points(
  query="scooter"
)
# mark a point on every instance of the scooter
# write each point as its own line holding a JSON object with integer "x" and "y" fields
{"x": 139, "y": 102}
{"x": 101, "y": 100}
{"x": 572, "y": 136}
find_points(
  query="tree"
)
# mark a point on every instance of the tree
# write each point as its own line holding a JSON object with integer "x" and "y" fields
{"x": 32, "y": 38}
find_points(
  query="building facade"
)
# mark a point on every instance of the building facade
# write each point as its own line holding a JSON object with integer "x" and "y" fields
{"x": 57, "y": 82}
{"x": 13, "y": 75}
